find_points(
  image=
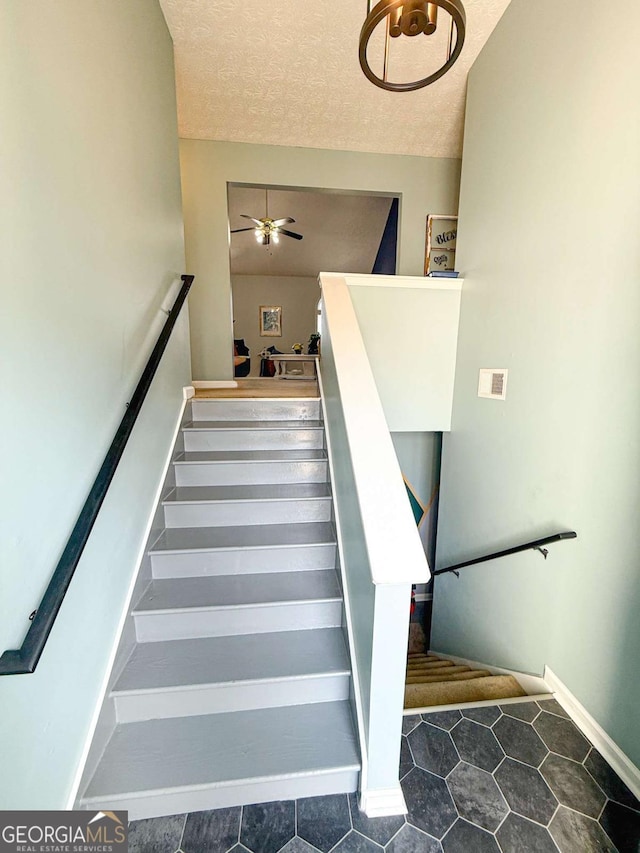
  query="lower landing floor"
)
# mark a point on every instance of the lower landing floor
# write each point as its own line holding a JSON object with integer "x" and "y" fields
{"x": 516, "y": 778}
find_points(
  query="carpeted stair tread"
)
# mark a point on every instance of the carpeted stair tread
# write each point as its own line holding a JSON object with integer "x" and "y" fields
{"x": 426, "y": 695}
{"x": 442, "y": 672}
{"x": 429, "y": 664}
{"x": 453, "y": 676}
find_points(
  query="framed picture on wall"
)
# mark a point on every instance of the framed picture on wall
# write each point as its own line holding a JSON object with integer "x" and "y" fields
{"x": 440, "y": 255}
{"x": 271, "y": 321}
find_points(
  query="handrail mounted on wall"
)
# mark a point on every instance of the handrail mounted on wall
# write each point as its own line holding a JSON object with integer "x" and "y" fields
{"x": 25, "y": 659}
{"x": 535, "y": 544}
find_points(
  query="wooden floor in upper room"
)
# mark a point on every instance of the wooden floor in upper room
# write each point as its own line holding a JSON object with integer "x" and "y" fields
{"x": 263, "y": 387}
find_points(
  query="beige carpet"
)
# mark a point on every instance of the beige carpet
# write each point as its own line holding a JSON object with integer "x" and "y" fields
{"x": 436, "y": 681}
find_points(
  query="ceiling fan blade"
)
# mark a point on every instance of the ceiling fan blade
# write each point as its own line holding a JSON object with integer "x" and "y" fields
{"x": 238, "y": 230}
{"x": 279, "y": 222}
{"x": 290, "y": 234}
{"x": 257, "y": 221}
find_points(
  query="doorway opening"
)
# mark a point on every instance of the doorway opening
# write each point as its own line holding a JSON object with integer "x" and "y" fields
{"x": 274, "y": 275}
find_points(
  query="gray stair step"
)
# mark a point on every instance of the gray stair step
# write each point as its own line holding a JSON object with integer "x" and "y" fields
{"x": 198, "y": 551}
{"x": 176, "y": 765}
{"x": 248, "y": 435}
{"x": 219, "y": 674}
{"x": 197, "y": 506}
{"x": 179, "y": 608}
{"x": 307, "y": 408}
{"x": 221, "y": 468}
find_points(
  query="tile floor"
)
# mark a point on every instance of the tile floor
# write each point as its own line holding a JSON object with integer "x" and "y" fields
{"x": 514, "y": 778}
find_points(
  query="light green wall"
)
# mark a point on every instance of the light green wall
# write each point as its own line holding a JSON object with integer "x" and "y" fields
{"x": 548, "y": 245}
{"x": 91, "y": 242}
{"x": 427, "y": 185}
{"x": 298, "y": 296}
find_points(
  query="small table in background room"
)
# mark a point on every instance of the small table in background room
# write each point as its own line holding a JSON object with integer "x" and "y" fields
{"x": 294, "y": 366}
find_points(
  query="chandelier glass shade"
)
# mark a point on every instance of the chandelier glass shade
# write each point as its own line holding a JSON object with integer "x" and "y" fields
{"x": 407, "y": 19}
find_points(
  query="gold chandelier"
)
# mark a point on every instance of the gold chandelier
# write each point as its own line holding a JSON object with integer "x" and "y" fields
{"x": 411, "y": 18}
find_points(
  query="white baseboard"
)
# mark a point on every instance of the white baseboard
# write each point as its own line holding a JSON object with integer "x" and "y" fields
{"x": 144, "y": 544}
{"x": 610, "y": 751}
{"x": 188, "y": 392}
{"x": 533, "y": 685}
{"x": 214, "y": 383}
{"x": 383, "y": 802}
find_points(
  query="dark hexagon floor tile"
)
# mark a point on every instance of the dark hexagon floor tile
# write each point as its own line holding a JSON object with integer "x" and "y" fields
{"x": 519, "y": 835}
{"x": 552, "y": 706}
{"x": 477, "y": 745}
{"x": 526, "y": 791}
{"x": 266, "y": 827}
{"x": 429, "y": 802}
{"x": 433, "y": 749}
{"x": 297, "y": 845}
{"x": 562, "y": 736}
{"x": 609, "y": 781}
{"x": 443, "y": 719}
{"x": 240, "y": 848}
{"x": 576, "y": 833}
{"x": 526, "y": 711}
{"x": 477, "y": 796}
{"x": 409, "y": 723}
{"x": 519, "y": 740}
{"x": 622, "y": 825}
{"x": 211, "y": 832}
{"x": 156, "y": 834}
{"x": 323, "y": 821}
{"x": 572, "y": 785}
{"x": 411, "y": 840}
{"x": 356, "y": 843}
{"x": 406, "y": 759}
{"x": 487, "y": 716}
{"x": 466, "y": 838}
{"x": 378, "y": 829}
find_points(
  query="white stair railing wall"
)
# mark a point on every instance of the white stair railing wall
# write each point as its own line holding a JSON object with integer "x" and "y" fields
{"x": 381, "y": 554}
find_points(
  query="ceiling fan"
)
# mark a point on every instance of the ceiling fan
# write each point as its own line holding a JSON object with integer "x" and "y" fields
{"x": 267, "y": 229}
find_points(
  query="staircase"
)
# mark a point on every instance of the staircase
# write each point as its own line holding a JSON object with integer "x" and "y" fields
{"x": 433, "y": 681}
{"x": 237, "y": 689}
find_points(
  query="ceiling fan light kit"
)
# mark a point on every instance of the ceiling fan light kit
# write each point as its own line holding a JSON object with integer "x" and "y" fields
{"x": 410, "y": 18}
{"x": 267, "y": 230}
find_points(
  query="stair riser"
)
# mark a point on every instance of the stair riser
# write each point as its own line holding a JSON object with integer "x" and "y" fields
{"x": 249, "y": 473}
{"x": 153, "y": 627}
{"x": 191, "y": 564}
{"x": 255, "y": 410}
{"x": 253, "y": 439}
{"x": 238, "y": 513}
{"x": 227, "y": 795}
{"x": 219, "y": 699}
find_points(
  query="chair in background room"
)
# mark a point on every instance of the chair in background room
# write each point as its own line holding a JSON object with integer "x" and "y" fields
{"x": 241, "y": 360}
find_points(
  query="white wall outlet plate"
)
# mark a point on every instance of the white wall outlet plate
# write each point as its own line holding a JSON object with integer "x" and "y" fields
{"x": 492, "y": 383}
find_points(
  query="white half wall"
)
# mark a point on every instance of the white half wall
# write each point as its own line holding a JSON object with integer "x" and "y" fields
{"x": 409, "y": 326}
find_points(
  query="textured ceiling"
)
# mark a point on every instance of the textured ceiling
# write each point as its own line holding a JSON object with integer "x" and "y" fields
{"x": 287, "y": 73}
{"x": 339, "y": 231}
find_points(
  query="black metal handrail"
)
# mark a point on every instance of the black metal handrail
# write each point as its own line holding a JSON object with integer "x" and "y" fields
{"x": 536, "y": 544}
{"x": 25, "y": 659}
